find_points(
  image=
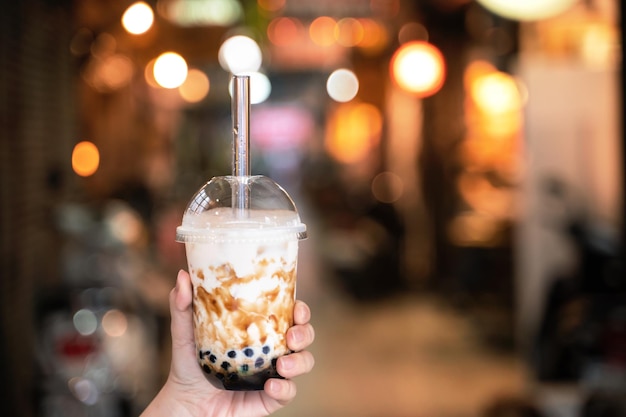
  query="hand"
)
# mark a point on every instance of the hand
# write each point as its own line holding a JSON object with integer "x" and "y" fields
{"x": 187, "y": 393}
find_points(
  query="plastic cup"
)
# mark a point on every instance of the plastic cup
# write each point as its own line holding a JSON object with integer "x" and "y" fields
{"x": 243, "y": 265}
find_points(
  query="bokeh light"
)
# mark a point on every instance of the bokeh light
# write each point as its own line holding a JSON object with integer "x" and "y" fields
{"x": 85, "y": 322}
{"x": 354, "y": 129}
{"x": 496, "y": 93}
{"x": 138, "y": 18}
{"x": 108, "y": 74}
{"x": 201, "y": 12}
{"x": 84, "y": 389}
{"x": 284, "y": 31}
{"x": 322, "y": 31}
{"x": 85, "y": 158}
{"x": 240, "y": 54}
{"x": 170, "y": 70}
{"x": 342, "y": 85}
{"x": 123, "y": 223}
{"x": 527, "y": 10}
{"x": 387, "y": 187}
{"x": 418, "y": 67}
{"x": 103, "y": 45}
{"x": 196, "y": 86}
{"x": 349, "y": 32}
{"x": 114, "y": 323}
{"x": 375, "y": 36}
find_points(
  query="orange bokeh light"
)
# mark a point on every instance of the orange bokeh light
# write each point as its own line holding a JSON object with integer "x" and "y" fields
{"x": 375, "y": 36}
{"x": 85, "y": 159}
{"x": 322, "y": 31}
{"x": 353, "y": 131}
{"x": 418, "y": 67}
{"x": 196, "y": 86}
{"x": 349, "y": 32}
{"x": 284, "y": 31}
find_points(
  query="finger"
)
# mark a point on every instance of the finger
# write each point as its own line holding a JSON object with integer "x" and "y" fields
{"x": 295, "y": 364}
{"x": 181, "y": 317}
{"x": 281, "y": 390}
{"x": 301, "y": 313}
{"x": 300, "y": 336}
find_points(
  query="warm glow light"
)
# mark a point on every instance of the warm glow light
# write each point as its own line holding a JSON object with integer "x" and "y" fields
{"x": 599, "y": 44}
{"x": 353, "y": 130}
{"x": 170, "y": 70}
{"x": 138, "y": 18}
{"x": 114, "y": 323}
{"x": 342, "y": 85}
{"x": 349, "y": 32}
{"x": 283, "y": 31}
{"x": 418, "y": 67}
{"x": 239, "y": 54}
{"x": 124, "y": 224}
{"x": 375, "y": 36}
{"x": 85, "y": 159}
{"x": 322, "y": 31}
{"x": 196, "y": 86}
{"x": 496, "y": 93}
{"x": 527, "y": 10}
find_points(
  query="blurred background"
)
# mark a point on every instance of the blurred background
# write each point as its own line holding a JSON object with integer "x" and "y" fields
{"x": 459, "y": 164}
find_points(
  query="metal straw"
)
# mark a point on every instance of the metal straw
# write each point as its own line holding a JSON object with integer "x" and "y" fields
{"x": 241, "y": 140}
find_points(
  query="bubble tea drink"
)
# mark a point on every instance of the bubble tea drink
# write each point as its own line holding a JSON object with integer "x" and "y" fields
{"x": 241, "y": 236}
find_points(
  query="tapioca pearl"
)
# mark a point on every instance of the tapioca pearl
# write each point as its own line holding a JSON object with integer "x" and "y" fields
{"x": 274, "y": 362}
{"x": 213, "y": 358}
{"x": 249, "y": 352}
{"x": 225, "y": 365}
{"x": 219, "y": 376}
{"x": 203, "y": 353}
{"x": 244, "y": 367}
{"x": 206, "y": 368}
{"x": 266, "y": 349}
{"x": 232, "y": 354}
{"x": 259, "y": 362}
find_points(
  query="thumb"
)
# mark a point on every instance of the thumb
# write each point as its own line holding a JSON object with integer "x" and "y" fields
{"x": 183, "y": 345}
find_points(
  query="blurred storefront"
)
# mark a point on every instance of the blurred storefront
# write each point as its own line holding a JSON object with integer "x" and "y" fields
{"x": 452, "y": 149}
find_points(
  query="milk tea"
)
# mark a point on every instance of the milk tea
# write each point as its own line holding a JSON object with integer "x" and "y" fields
{"x": 244, "y": 284}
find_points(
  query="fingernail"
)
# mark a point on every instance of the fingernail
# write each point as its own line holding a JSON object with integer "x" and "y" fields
{"x": 273, "y": 385}
{"x": 298, "y": 335}
{"x": 287, "y": 363}
{"x": 178, "y": 280}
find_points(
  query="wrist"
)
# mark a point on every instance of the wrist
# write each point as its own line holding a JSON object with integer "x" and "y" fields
{"x": 165, "y": 404}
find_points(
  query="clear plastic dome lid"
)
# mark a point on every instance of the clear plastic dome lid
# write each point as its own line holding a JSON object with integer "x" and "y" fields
{"x": 231, "y": 205}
